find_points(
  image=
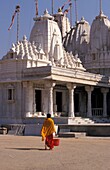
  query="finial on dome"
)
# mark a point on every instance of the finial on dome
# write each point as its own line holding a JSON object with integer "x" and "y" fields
{"x": 82, "y": 18}
{"x": 47, "y": 15}
{"x": 13, "y": 45}
{"x": 36, "y": 3}
{"x": 100, "y": 7}
{"x": 46, "y": 11}
{"x": 101, "y": 15}
{"x": 24, "y": 38}
{"x": 59, "y": 9}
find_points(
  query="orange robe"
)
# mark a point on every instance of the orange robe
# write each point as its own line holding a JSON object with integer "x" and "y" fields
{"x": 47, "y": 128}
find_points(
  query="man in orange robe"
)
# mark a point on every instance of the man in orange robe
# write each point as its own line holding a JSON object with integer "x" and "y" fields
{"x": 47, "y": 132}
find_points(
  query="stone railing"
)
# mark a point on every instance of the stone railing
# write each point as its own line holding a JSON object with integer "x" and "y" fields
{"x": 97, "y": 111}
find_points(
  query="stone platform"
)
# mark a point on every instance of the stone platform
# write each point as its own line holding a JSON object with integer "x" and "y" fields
{"x": 89, "y": 129}
{"x": 32, "y": 126}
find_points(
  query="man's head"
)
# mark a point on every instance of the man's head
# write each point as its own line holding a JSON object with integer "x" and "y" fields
{"x": 48, "y": 115}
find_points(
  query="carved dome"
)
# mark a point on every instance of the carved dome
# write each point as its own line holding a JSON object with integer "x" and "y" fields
{"x": 78, "y": 38}
{"x": 47, "y": 33}
{"x": 82, "y": 34}
{"x": 100, "y": 33}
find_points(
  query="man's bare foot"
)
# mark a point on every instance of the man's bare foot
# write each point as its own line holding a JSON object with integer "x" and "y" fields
{"x": 45, "y": 147}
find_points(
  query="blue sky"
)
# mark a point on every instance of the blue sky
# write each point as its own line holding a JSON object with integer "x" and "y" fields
{"x": 87, "y": 8}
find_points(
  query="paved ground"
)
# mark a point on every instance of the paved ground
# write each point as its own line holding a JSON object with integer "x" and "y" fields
{"x": 27, "y": 153}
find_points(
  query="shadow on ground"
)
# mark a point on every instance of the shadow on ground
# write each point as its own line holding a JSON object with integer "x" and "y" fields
{"x": 40, "y": 149}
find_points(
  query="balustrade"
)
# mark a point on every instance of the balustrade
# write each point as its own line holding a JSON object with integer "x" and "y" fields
{"x": 97, "y": 112}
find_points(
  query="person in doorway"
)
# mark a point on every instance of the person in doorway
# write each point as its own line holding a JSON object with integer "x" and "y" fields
{"x": 47, "y": 132}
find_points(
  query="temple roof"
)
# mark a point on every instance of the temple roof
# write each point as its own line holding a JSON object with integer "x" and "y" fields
{"x": 25, "y": 50}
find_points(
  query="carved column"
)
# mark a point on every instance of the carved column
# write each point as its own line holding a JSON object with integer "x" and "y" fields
{"x": 89, "y": 89}
{"x": 49, "y": 87}
{"x": 28, "y": 98}
{"x": 71, "y": 88}
{"x": 104, "y": 91}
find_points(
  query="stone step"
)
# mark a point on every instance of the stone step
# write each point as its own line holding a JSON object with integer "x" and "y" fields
{"x": 11, "y": 132}
{"x": 79, "y": 120}
{"x": 72, "y": 134}
{"x": 17, "y": 130}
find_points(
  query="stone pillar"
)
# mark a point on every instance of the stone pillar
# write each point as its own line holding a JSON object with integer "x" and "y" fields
{"x": 104, "y": 91}
{"x": 49, "y": 87}
{"x": 71, "y": 88}
{"x": 28, "y": 98}
{"x": 1, "y": 100}
{"x": 19, "y": 100}
{"x": 89, "y": 89}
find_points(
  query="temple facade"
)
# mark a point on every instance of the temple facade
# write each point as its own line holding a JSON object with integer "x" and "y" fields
{"x": 61, "y": 70}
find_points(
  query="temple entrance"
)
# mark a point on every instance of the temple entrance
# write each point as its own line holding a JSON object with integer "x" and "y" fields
{"x": 59, "y": 101}
{"x": 76, "y": 102}
{"x": 97, "y": 102}
{"x": 38, "y": 100}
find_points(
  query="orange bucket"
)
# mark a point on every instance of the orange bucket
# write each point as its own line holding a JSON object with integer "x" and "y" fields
{"x": 56, "y": 142}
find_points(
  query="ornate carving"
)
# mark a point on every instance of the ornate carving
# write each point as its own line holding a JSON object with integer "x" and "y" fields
{"x": 50, "y": 84}
{"x": 89, "y": 88}
{"x": 104, "y": 90}
{"x": 71, "y": 86}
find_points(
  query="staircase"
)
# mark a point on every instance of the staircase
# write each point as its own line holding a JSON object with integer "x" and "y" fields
{"x": 16, "y": 129}
{"x": 80, "y": 120}
{"x": 66, "y": 130}
{"x": 72, "y": 134}
{"x": 80, "y": 127}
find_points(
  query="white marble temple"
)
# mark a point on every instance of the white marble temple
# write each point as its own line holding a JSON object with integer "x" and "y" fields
{"x": 60, "y": 70}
